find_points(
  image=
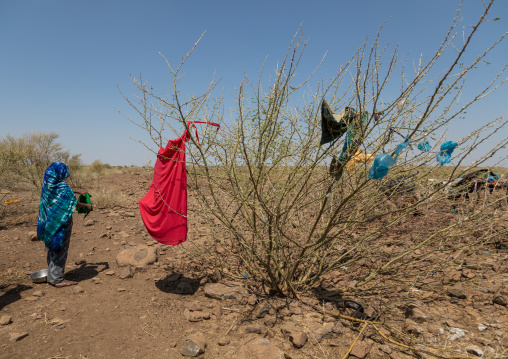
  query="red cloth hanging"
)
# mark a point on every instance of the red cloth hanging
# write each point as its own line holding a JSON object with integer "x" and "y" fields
{"x": 164, "y": 207}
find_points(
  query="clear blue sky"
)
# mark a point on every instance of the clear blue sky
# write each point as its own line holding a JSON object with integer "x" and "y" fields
{"x": 62, "y": 60}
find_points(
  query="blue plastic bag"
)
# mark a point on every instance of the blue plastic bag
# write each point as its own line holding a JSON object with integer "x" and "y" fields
{"x": 445, "y": 155}
{"x": 424, "y": 146}
{"x": 383, "y": 162}
{"x": 381, "y": 165}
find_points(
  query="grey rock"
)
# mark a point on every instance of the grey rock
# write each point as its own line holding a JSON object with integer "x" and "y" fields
{"x": 194, "y": 345}
{"x": 482, "y": 327}
{"x": 456, "y": 333}
{"x": 191, "y": 349}
{"x": 139, "y": 256}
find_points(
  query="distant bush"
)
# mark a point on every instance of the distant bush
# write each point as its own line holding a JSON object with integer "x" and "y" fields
{"x": 24, "y": 159}
{"x": 98, "y": 167}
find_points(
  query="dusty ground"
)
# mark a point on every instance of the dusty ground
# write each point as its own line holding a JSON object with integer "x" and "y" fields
{"x": 144, "y": 316}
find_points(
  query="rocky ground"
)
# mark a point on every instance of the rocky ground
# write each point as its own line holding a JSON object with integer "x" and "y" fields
{"x": 139, "y": 299}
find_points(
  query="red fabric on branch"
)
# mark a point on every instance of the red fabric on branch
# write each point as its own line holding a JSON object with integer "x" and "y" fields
{"x": 164, "y": 207}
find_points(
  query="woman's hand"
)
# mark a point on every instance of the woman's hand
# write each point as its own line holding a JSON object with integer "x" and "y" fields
{"x": 84, "y": 205}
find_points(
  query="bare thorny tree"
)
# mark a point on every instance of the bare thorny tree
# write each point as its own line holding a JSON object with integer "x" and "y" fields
{"x": 263, "y": 178}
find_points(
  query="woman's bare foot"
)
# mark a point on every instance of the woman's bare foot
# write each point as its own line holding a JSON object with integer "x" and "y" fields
{"x": 65, "y": 283}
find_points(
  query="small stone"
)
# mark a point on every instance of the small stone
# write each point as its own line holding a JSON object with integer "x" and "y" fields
{"x": 385, "y": 348}
{"x": 482, "y": 327}
{"x": 5, "y": 319}
{"x": 361, "y": 349}
{"x": 38, "y": 293}
{"x": 194, "y": 345}
{"x": 194, "y": 306}
{"x": 96, "y": 280}
{"x": 412, "y": 328}
{"x": 89, "y": 223}
{"x": 172, "y": 344}
{"x": 417, "y": 315}
{"x": 475, "y": 350}
{"x": 126, "y": 272}
{"x": 32, "y": 236}
{"x": 456, "y": 293}
{"x": 298, "y": 339}
{"x": 109, "y": 228}
{"x": 222, "y": 291}
{"x": 121, "y": 289}
{"x": 434, "y": 329}
{"x": 139, "y": 256}
{"x": 80, "y": 262}
{"x": 103, "y": 235}
{"x": 252, "y": 300}
{"x": 217, "y": 311}
{"x": 456, "y": 333}
{"x": 198, "y": 316}
{"x": 253, "y": 329}
{"x": 262, "y": 310}
{"x": 224, "y": 341}
{"x": 110, "y": 272}
{"x": 77, "y": 289}
{"x": 17, "y": 336}
{"x": 289, "y": 327}
{"x": 500, "y": 300}
{"x": 269, "y": 321}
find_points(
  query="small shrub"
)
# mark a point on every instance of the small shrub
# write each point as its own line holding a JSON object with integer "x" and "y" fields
{"x": 24, "y": 159}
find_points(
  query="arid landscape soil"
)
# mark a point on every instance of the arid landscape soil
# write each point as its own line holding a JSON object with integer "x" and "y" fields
{"x": 178, "y": 306}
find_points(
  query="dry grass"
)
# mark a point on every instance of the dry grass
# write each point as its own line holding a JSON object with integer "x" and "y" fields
{"x": 104, "y": 197}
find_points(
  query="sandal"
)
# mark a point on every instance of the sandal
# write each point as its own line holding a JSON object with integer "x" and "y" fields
{"x": 65, "y": 283}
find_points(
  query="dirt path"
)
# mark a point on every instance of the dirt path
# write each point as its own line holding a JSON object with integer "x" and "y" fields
{"x": 145, "y": 316}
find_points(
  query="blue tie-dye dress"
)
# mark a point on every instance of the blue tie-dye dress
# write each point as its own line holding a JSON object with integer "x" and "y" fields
{"x": 57, "y": 204}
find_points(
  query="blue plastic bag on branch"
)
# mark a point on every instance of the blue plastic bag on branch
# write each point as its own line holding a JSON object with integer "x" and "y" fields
{"x": 424, "y": 146}
{"x": 382, "y": 163}
{"x": 445, "y": 155}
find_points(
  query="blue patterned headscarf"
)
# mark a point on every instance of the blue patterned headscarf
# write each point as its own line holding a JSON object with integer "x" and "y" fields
{"x": 57, "y": 204}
